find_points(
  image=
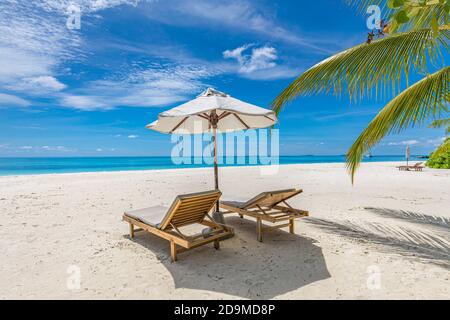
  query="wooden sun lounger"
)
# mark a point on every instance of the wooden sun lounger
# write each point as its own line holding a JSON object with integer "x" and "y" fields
{"x": 417, "y": 167}
{"x": 185, "y": 210}
{"x": 270, "y": 207}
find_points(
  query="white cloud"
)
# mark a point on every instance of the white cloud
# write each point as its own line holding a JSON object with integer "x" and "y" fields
{"x": 260, "y": 63}
{"x": 430, "y": 142}
{"x": 46, "y": 82}
{"x": 278, "y": 72}
{"x": 436, "y": 142}
{"x": 26, "y": 148}
{"x": 37, "y": 85}
{"x": 133, "y": 136}
{"x": 240, "y": 15}
{"x": 16, "y": 64}
{"x": 325, "y": 116}
{"x": 86, "y": 6}
{"x": 154, "y": 86}
{"x": 259, "y": 59}
{"x": 99, "y": 150}
{"x": 58, "y": 149}
{"x": 404, "y": 143}
{"x": 86, "y": 103}
{"x": 34, "y": 42}
{"x": 29, "y": 30}
{"x": 237, "y": 53}
{"x": 7, "y": 100}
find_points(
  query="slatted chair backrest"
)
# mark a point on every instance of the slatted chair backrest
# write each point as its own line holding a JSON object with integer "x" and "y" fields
{"x": 272, "y": 198}
{"x": 190, "y": 209}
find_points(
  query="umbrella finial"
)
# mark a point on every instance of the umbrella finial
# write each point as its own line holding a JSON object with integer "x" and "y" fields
{"x": 213, "y": 92}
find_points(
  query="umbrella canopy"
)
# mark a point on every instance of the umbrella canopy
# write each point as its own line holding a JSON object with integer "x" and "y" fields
{"x": 213, "y": 108}
{"x": 213, "y": 111}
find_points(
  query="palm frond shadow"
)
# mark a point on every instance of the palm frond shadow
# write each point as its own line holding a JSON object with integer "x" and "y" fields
{"x": 404, "y": 241}
{"x": 414, "y": 217}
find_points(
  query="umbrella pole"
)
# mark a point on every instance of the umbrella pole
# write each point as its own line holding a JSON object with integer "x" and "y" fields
{"x": 216, "y": 166}
{"x": 217, "y": 215}
{"x": 214, "y": 120}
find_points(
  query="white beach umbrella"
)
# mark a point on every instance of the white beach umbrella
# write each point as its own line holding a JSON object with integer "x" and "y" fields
{"x": 213, "y": 111}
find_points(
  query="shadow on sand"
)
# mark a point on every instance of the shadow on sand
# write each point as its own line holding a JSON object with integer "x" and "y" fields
{"x": 413, "y": 217}
{"x": 423, "y": 243}
{"x": 243, "y": 267}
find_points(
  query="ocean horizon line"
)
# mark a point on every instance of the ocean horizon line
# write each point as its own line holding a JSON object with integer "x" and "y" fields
{"x": 10, "y": 166}
{"x": 223, "y": 156}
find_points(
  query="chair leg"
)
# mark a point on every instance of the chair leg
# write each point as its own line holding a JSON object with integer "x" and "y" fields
{"x": 173, "y": 251}
{"x": 217, "y": 244}
{"x": 259, "y": 229}
{"x": 292, "y": 226}
{"x": 131, "y": 230}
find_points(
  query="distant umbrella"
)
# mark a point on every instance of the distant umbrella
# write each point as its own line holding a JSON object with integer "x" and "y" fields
{"x": 408, "y": 155}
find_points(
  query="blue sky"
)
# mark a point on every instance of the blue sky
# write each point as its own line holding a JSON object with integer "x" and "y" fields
{"x": 90, "y": 92}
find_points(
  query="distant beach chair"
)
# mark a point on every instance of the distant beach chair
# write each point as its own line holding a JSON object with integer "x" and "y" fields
{"x": 417, "y": 167}
{"x": 270, "y": 207}
{"x": 185, "y": 210}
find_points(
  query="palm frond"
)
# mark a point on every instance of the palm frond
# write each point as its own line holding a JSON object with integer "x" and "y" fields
{"x": 368, "y": 69}
{"x": 362, "y": 5}
{"x": 442, "y": 123}
{"x": 419, "y": 14}
{"x": 423, "y": 14}
{"x": 426, "y": 99}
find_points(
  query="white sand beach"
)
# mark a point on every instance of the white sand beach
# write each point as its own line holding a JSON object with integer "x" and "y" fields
{"x": 386, "y": 237}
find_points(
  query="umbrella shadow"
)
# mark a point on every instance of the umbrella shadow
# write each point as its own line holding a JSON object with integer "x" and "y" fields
{"x": 243, "y": 267}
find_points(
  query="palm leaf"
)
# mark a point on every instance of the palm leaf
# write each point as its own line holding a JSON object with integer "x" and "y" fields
{"x": 362, "y": 5}
{"x": 426, "y": 99}
{"x": 441, "y": 124}
{"x": 368, "y": 69}
{"x": 420, "y": 14}
{"x": 424, "y": 14}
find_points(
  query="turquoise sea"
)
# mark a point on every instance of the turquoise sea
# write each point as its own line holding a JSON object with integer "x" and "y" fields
{"x": 26, "y": 166}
